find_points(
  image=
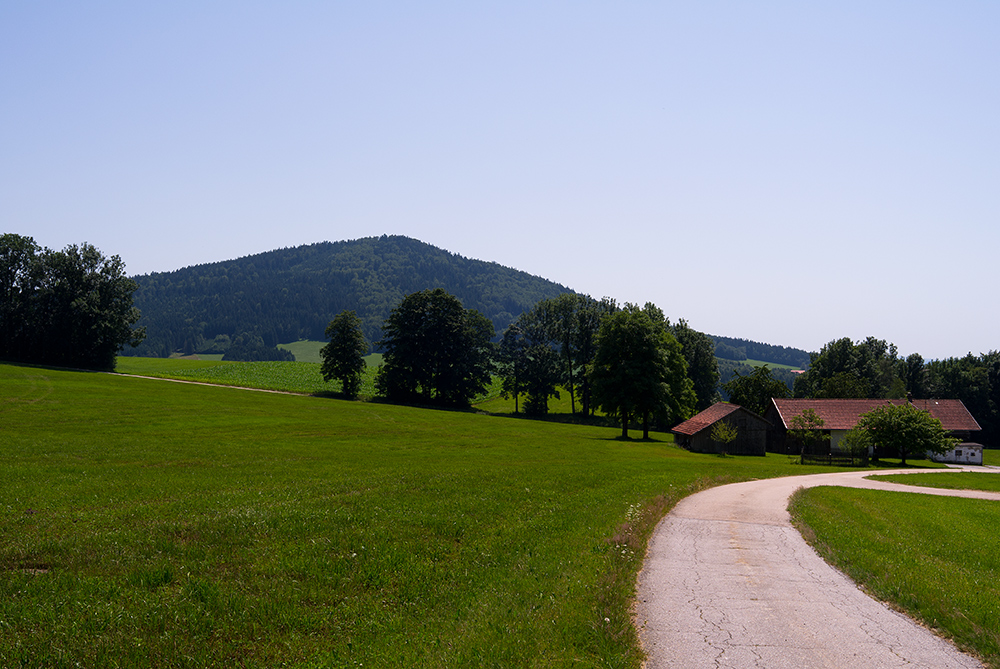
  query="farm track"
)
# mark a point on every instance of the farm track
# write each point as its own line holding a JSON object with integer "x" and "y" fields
{"x": 206, "y": 383}
{"x": 729, "y": 582}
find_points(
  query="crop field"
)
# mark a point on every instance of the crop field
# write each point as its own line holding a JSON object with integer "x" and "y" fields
{"x": 936, "y": 558}
{"x": 145, "y": 523}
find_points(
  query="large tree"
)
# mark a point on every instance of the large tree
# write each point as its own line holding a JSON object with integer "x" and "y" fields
{"x": 976, "y": 381}
{"x": 511, "y": 359}
{"x": 568, "y": 324}
{"x": 344, "y": 355}
{"x": 699, "y": 353}
{"x": 903, "y": 429}
{"x": 71, "y": 308}
{"x": 845, "y": 369}
{"x": 754, "y": 391}
{"x": 435, "y": 351}
{"x": 639, "y": 371}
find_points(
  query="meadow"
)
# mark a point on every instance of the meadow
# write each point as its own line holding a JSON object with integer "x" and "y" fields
{"x": 153, "y": 524}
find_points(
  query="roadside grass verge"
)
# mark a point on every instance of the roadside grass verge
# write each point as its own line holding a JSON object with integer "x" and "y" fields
{"x": 935, "y": 558}
{"x": 950, "y": 480}
{"x": 153, "y": 524}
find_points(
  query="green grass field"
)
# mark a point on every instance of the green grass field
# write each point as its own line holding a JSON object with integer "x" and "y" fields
{"x": 936, "y": 558}
{"x": 950, "y": 480}
{"x": 145, "y": 523}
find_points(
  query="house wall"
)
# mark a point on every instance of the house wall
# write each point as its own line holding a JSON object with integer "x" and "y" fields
{"x": 964, "y": 454}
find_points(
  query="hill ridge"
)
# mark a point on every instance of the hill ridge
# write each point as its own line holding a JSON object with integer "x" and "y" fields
{"x": 292, "y": 293}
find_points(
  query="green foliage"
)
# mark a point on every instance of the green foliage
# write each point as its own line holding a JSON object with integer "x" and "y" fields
{"x": 903, "y": 429}
{"x": 567, "y": 324}
{"x": 250, "y": 347}
{"x": 71, "y": 308}
{"x": 857, "y": 443}
{"x": 724, "y": 433}
{"x": 639, "y": 371}
{"x": 192, "y": 526}
{"x": 291, "y": 294}
{"x": 739, "y": 350}
{"x": 703, "y": 369}
{"x": 511, "y": 359}
{"x": 976, "y": 381}
{"x": 807, "y": 429}
{"x": 344, "y": 357}
{"x": 935, "y": 558}
{"x": 754, "y": 391}
{"x": 435, "y": 351}
{"x": 844, "y": 369}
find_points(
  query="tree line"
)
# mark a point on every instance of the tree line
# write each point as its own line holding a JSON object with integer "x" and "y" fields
{"x": 70, "y": 308}
{"x": 629, "y": 362}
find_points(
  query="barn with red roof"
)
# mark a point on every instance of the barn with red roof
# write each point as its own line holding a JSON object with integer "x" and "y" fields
{"x": 695, "y": 434}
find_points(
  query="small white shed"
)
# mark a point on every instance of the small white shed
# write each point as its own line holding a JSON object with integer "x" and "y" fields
{"x": 963, "y": 454}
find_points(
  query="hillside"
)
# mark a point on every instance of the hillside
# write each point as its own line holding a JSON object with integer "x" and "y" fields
{"x": 290, "y": 294}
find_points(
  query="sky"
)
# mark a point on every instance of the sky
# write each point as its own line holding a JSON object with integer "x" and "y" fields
{"x": 785, "y": 172}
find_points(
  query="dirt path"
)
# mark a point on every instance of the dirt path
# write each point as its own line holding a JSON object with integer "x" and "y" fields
{"x": 728, "y": 582}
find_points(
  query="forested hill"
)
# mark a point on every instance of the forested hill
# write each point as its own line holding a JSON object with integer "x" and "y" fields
{"x": 729, "y": 348}
{"x": 290, "y": 294}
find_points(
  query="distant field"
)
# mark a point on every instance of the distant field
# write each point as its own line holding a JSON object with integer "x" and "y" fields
{"x": 305, "y": 350}
{"x": 154, "y": 524}
{"x": 759, "y": 363}
{"x": 937, "y": 558}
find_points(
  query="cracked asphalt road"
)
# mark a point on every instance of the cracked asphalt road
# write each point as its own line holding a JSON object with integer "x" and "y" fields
{"x": 728, "y": 582}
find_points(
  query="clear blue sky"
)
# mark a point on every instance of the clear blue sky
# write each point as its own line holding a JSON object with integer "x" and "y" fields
{"x": 786, "y": 172}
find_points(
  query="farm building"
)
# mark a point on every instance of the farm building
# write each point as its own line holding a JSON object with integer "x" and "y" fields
{"x": 963, "y": 454}
{"x": 695, "y": 434}
{"x": 841, "y": 415}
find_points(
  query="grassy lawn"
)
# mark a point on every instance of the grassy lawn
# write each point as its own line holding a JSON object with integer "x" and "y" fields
{"x": 950, "y": 480}
{"x": 936, "y": 558}
{"x": 991, "y": 457}
{"x": 154, "y": 524}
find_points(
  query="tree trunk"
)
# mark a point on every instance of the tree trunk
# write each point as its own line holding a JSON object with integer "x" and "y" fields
{"x": 645, "y": 426}
{"x": 624, "y": 425}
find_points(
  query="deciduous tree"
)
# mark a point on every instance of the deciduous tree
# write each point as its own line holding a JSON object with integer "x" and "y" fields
{"x": 754, "y": 391}
{"x": 904, "y": 429}
{"x": 71, "y": 308}
{"x": 435, "y": 351}
{"x": 344, "y": 356}
{"x": 639, "y": 371}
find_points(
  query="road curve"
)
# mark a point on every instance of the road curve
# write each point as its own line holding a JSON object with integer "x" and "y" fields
{"x": 728, "y": 582}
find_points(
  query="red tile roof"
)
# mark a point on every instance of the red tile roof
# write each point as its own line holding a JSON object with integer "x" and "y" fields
{"x": 706, "y": 418}
{"x": 840, "y": 414}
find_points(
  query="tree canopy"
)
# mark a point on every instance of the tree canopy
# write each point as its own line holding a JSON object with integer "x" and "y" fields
{"x": 903, "y": 429}
{"x": 845, "y": 369}
{"x": 290, "y": 294}
{"x": 639, "y": 370}
{"x": 703, "y": 368}
{"x": 435, "y": 351}
{"x": 755, "y": 390}
{"x": 71, "y": 308}
{"x": 344, "y": 356}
